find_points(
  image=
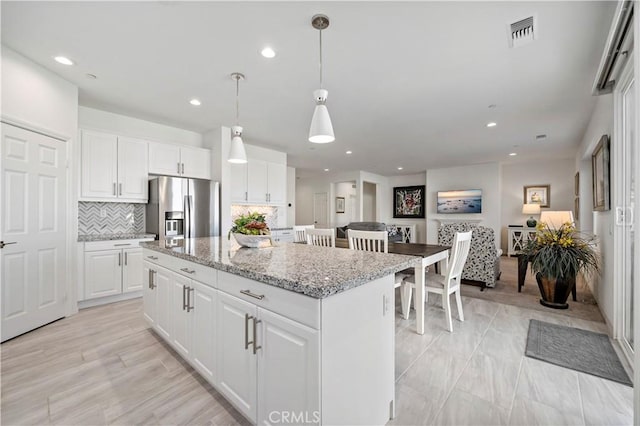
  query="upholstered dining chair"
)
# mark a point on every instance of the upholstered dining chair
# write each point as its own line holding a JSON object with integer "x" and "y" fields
{"x": 445, "y": 284}
{"x": 321, "y": 237}
{"x": 300, "y": 233}
{"x": 378, "y": 241}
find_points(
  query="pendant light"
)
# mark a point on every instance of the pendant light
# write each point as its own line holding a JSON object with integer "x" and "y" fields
{"x": 237, "y": 153}
{"x": 321, "y": 130}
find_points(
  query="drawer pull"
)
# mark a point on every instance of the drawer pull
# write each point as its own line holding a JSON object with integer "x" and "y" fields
{"x": 255, "y": 335}
{"x": 255, "y": 296}
{"x": 151, "y": 284}
{"x": 188, "y": 271}
{"x": 152, "y": 257}
{"x": 122, "y": 244}
{"x": 184, "y": 297}
{"x": 190, "y": 306}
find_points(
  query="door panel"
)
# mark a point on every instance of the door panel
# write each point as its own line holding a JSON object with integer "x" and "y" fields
{"x": 196, "y": 162}
{"x": 238, "y": 182}
{"x": 277, "y": 181}
{"x": 163, "y": 323}
{"x": 132, "y": 169}
{"x": 164, "y": 159}
{"x": 33, "y": 178}
{"x": 99, "y": 165}
{"x": 257, "y": 181}
{"x": 102, "y": 273}
{"x": 203, "y": 349}
{"x": 181, "y": 337}
{"x": 149, "y": 293}
{"x": 132, "y": 276}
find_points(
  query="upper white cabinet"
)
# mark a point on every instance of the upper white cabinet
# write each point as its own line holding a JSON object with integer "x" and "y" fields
{"x": 174, "y": 160}
{"x": 259, "y": 182}
{"x": 239, "y": 183}
{"x": 114, "y": 168}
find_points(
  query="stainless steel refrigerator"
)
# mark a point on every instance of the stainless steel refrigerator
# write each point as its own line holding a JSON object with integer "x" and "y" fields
{"x": 183, "y": 208}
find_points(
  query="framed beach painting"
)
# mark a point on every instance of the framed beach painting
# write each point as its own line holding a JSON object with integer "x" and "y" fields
{"x": 408, "y": 202}
{"x": 600, "y": 174}
{"x": 537, "y": 194}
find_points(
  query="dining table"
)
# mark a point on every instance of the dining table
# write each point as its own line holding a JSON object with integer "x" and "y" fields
{"x": 431, "y": 254}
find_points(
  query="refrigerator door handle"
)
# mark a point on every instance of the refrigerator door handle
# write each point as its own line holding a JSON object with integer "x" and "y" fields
{"x": 188, "y": 219}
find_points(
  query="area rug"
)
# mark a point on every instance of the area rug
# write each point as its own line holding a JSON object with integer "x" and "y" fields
{"x": 577, "y": 349}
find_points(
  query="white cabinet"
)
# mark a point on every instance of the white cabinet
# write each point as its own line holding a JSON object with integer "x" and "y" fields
{"x": 204, "y": 301}
{"x": 283, "y": 236}
{"x": 163, "y": 288}
{"x": 175, "y": 160}
{"x": 149, "y": 293}
{"x": 113, "y": 168}
{"x": 180, "y": 309}
{"x": 259, "y": 182}
{"x": 518, "y": 238}
{"x": 111, "y": 268}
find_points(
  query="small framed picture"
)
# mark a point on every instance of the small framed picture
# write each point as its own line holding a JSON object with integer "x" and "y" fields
{"x": 600, "y": 172}
{"x": 408, "y": 202}
{"x": 538, "y": 194}
{"x": 339, "y": 204}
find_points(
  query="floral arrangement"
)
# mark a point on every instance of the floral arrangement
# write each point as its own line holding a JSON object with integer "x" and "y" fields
{"x": 250, "y": 224}
{"x": 561, "y": 253}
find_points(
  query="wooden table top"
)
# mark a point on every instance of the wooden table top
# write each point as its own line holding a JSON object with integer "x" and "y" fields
{"x": 411, "y": 249}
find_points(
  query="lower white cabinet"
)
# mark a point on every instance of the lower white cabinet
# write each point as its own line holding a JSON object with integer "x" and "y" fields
{"x": 204, "y": 300}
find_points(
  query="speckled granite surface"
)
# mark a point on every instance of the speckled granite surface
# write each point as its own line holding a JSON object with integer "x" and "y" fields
{"x": 314, "y": 271}
{"x": 107, "y": 237}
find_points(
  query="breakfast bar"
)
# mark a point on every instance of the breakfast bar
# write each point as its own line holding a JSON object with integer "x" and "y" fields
{"x": 289, "y": 331}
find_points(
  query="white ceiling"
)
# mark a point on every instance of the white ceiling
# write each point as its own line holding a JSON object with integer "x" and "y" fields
{"x": 409, "y": 83}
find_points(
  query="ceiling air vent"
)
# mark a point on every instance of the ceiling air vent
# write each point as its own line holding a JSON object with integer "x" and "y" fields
{"x": 522, "y": 32}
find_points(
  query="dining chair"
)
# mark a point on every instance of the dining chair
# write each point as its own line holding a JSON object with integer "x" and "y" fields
{"x": 321, "y": 237}
{"x": 378, "y": 241}
{"x": 299, "y": 232}
{"x": 445, "y": 284}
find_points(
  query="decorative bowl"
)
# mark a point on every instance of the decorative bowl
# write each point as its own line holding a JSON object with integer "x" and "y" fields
{"x": 253, "y": 241}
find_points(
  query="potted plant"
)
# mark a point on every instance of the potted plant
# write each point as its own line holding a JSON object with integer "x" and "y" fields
{"x": 557, "y": 256}
{"x": 250, "y": 230}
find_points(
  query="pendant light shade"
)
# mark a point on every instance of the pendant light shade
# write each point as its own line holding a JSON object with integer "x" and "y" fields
{"x": 321, "y": 130}
{"x": 237, "y": 154}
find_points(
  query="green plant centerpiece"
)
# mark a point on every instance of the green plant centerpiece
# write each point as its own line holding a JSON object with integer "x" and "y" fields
{"x": 557, "y": 256}
{"x": 250, "y": 230}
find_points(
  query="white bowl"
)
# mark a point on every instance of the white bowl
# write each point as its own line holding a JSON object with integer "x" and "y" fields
{"x": 253, "y": 241}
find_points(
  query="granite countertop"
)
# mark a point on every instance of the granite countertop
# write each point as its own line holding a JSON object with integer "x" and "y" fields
{"x": 108, "y": 237}
{"x": 314, "y": 271}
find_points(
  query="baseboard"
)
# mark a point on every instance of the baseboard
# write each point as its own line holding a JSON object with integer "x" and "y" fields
{"x": 108, "y": 299}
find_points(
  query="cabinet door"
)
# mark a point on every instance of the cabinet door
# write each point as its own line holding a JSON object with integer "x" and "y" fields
{"x": 239, "y": 183}
{"x": 277, "y": 182}
{"x": 203, "y": 349}
{"x": 257, "y": 188}
{"x": 149, "y": 293}
{"x": 291, "y": 349}
{"x": 102, "y": 273}
{"x": 133, "y": 177}
{"x": 99, "y": 165}
{"x": 181, "y": 333}
{"x": 132, "y": 276}
{"x": 164, "y": 159}
{"x": 236, "y": 363}
{"x": 196, "y": 162}
{"x": 163, "y": 324}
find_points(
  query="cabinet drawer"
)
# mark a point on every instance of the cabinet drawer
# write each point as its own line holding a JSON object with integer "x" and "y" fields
{"x": 113, "y": 244}
{"x": 295, "y": 306}
{"x": 195, "y": 271}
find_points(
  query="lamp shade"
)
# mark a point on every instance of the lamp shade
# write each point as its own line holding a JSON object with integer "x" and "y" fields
{"x": 321, "y": 130}
{"x": 531, "y": 209}
{"x": 237, "y": 153}
{"x": 555, "y": 219}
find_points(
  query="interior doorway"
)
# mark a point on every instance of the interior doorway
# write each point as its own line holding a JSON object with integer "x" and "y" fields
{"x": 369, "y": 202}
{"x": 320, "y": 209}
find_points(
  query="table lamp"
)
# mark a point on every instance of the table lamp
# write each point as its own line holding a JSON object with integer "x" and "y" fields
{"x": 531, "y": 209}
{"x": 555, "y": 219}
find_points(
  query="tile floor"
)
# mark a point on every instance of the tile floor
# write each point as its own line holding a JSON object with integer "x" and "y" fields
{"x": 104, "y": 366}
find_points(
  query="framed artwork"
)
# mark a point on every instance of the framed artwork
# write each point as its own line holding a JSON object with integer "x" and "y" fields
{"x": 408, "y": 202}
{"x": 600, "y": 174}
{"x": 339, "y": 204}
{"x": 576, "y": 184}
{"x": 538, "y": 194}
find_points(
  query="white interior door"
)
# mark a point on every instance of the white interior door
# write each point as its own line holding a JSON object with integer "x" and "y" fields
{"x": 320, "y": 208}
{"x": 33, "y": 231}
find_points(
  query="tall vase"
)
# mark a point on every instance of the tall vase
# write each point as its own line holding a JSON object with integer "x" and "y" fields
{"x": 555, "y": 291}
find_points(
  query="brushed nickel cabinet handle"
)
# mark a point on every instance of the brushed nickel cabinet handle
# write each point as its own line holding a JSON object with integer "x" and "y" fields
{"x": 190, "y": 306}
{"x": 152, "y": 257}
{"x": 125, "y": 258}
{"x": 255, "y": 335}
{"x": 182, "y": 168}
{"x": 178, "y": 167}
{"x": 119, "y": 259}
{"x": 123, "y": 244}
{"x": 119, "y": 189}
{"x": 246, "y": 331}
{"x": 188, "y": 271}
{"x": 114, "y": 188}
{"x": 184, "y": 297}
{"x": 246, "y": 196}
{"x": 151, "y": 284}
{"x": 255, "y": 296}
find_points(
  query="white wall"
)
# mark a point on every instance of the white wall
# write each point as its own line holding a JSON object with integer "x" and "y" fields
{"x": 38, "y": 99}
{"x": 558, "y": 174}
{"x": 135, "y": 127}
{"x": 306, "y": 187}
{"x": 348, "y": 191}
{"x": 600, "y": 223}
{"x": 481, "y": 176}
{"x": 291, "y": 196}
{"x": 369, "y": 202}
{"x": 387, "y": 217}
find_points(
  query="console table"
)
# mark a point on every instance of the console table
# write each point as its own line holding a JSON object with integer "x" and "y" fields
{"x": 407, "y": 232}
{"x": 518, "y": 238}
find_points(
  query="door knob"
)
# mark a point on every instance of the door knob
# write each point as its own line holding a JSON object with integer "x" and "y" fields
{"x": 2, "y": 243}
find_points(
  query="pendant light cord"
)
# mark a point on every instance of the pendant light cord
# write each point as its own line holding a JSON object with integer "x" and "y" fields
{"x": 237, "y": 101}
{"x": 320, "y": 58}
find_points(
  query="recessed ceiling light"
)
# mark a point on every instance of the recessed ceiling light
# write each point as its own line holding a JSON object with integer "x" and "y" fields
{"x": 268, "y": 52}
{"x": 492, "y": 124}
{"x": 63, "y": 60}
{"x": 399, "y": 168}
{"x": 195, "y": 102}
{"x": 492, "y": 106}
{"x": 513, "y": 154}
{"x": 541, "y": 137}
{"x": 326, "y": 170}
{"x": 348, "y": 152}
{"x": 91, "y": 76}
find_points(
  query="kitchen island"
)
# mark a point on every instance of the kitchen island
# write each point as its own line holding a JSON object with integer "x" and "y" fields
{"x": 288, "y": 334}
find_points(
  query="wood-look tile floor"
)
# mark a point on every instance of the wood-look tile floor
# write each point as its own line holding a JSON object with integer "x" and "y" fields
{"x": 105, "y": 366}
